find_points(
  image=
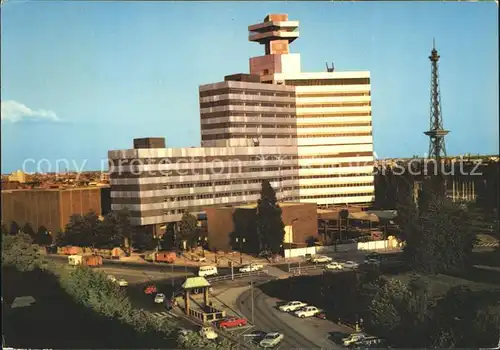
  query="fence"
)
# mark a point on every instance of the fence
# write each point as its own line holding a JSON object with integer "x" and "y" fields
{"x": 371, "y": 245}
{"x": 299, "y": 269}
{"x": 237, "y": 275}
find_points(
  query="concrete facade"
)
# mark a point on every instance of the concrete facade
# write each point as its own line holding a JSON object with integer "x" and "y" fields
{"x": 309, "y": 134}
{"x": 51, "y": 208}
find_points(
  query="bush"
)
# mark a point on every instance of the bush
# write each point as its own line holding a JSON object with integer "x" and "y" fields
{"x": 193, "y": 340}
{"x": 20, "y": 252}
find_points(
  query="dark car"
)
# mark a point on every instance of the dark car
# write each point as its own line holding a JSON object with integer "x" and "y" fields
{"x": 255, "y": 336}
{"x": 374, "y": 256}
{"x": 321, "y": 315}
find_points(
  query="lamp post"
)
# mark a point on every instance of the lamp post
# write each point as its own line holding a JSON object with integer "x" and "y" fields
{"x": 241, "y": 241}
{"x": 291, "y": 224}
{"x": 251, "y": 291}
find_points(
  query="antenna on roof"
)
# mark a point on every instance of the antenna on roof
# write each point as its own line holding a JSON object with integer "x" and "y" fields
{"x": 328, "y": 69}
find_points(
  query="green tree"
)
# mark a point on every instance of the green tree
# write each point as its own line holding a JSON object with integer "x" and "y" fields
{"x": 115, "y": 230}
{"x": 401, "y": 313}
{"x": 270, "y": 227}
{"x": 439, "y": 239}
{"x": 19, "y": 252}
{"x": 29, "y": 230}
{"x": 188, "y": 229}
{"x": 42, "y": 236}
{"x": 82, "y": 231}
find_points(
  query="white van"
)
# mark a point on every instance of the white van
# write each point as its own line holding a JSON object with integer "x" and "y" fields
{"x": 207, "y": 271}
{"x": 75, "y": 260}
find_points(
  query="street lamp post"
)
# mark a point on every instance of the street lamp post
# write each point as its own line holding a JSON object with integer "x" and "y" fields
{"x": 251, "y": 291}
{"x": 241, "y": 241}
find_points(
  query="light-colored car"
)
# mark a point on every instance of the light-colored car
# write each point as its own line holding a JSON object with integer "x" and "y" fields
{"x": 159, "y": 298}
{"x": 271, "y": 340}
{"x": 321, "y": 259}
{"x": 350, "y": 264}
{"x": 251, "y": 267}
{"x": 307, "y": 311}
{"x": 334, "y": 266}
{"x": 208, "y": 333}
{"x": 111, "y": 278}
{"x": 206, "y": 271}
{"x": 354, "y": 338}
{"x": 292, "y": 306}
{"x": 122, "y": 283}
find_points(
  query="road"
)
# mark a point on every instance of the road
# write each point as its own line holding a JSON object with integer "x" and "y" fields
{"x": 310, "y": 333}
{"x": 164, "y": 268}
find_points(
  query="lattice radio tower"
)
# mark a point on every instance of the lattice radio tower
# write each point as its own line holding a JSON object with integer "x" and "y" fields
{"x": 436, "y": 133}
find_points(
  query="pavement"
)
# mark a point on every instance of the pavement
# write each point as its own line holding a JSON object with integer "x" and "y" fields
{"x": 309, "y": 333}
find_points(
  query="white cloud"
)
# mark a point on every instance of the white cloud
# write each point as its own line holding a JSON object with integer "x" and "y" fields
{"x": 13, "y": 111}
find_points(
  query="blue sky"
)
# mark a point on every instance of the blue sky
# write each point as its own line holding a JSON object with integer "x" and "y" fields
{"x": 113, "y": 71}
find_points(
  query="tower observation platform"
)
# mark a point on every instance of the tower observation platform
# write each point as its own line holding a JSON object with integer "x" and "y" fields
{"x": 276, "y": 32}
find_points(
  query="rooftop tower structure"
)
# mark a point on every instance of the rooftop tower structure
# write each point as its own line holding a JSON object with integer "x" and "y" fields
{"x": 276, "y": 33}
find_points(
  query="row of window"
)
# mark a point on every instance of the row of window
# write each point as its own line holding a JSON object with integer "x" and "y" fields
{"x": 334, "y": 104}
{"x": 333, "y": 94}
{"x": 225, "y": 91}
{"x": 281, "y": 126}
{"x": 339, "y": 185}
{"x": 317, "y": 82}
{"x": 336, "y": 195}
{"x": 227, "y": 136}
{"x": 218, "y": 183}
{"x": 309, "y": 136}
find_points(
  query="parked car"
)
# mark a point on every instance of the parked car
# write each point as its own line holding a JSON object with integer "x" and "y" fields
{"x": 232, "y": 321}
{"x": 208, "y": 333}
{"x": 159, "y": 298}
{"x": 151, "y": 289}
{"x": 166, "y": 257}
{"x": 373, "y": 255}
{"x": 209, "y": 270}
{"x": 256, "y": 336}
{"x": 321, "y": 315}
{"x": 372, "y": 262}
{"x": 354, "y": 338}
{"x": 320, "y": 259}
{"x": 334, "y": 266}
{"x": 271, "y": 340}
{"x": 122, "y": 283}
{"x": 307, "y": 311}
{"x": 251, "y": 267}
{"x": 350, "y": 264}
{"x": 292, "y": 306}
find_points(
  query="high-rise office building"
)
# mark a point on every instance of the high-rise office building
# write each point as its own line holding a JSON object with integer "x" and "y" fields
{"x": 310, "y": 134}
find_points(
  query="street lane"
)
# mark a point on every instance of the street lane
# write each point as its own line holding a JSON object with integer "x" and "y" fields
{"x": 165, "y": 268}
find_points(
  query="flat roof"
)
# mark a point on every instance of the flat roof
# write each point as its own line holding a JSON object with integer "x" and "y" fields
{"x": 55, "y": 189}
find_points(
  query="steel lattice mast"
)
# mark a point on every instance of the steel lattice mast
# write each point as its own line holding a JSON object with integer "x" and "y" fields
{"x": 436, "y": 133}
